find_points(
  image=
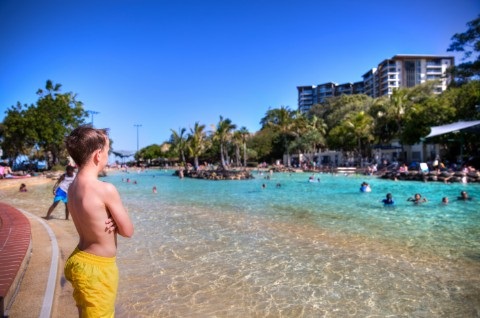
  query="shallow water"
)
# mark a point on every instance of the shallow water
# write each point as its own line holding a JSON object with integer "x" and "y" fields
{"x": 233, "y": 249}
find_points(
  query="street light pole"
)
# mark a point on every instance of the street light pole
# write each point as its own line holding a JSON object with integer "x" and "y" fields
{"x": 138, "y": 126}
{"x": 92, "y": 112}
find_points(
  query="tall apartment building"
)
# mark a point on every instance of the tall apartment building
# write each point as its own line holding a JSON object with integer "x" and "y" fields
{"x": 311, "y": 95}
{"x": 396, "y": 72}
{"x": 411, "y": 70}
{"x": 307, "y": 97}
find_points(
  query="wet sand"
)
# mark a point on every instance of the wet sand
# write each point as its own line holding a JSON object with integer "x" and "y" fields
{"x": 29, "y": 299}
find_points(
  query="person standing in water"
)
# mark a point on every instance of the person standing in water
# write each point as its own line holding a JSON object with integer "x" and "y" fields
{"x": 417, "y": 199}
{"x": 388, "y": 200}
{"x": 464, "y": 196}
{"x": 99, "y": 215}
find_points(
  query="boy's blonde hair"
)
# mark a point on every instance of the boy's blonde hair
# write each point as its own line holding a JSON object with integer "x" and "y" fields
{"x": 83, "y": 141}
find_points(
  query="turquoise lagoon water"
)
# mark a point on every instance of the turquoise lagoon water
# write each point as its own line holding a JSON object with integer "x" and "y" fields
{"x": 233, "y": 249}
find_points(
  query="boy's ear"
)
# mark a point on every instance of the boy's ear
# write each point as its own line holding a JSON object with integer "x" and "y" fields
{"x": 96, "y": 156}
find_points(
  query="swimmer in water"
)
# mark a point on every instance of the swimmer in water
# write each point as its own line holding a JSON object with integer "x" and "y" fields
{"x": 445, "y": 200}
{"x": 365, "y": 187}
{"x": 417, "y": 199}
{"x": 464, "y": 196}
{"x": 388, "y": 200}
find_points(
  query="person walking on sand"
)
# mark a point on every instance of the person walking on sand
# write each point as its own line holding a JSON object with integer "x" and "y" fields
{"x": 60, "y": 190}
{"x": 99, "y": 215}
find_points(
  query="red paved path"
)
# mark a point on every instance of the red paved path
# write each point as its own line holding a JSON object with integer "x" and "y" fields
{"x": 15, "y": 246}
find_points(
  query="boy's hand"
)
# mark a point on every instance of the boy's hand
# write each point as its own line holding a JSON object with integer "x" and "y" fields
{"x": 110, "y": 225}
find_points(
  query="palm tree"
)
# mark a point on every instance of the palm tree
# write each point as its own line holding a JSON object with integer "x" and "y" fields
{"x": 309, "y": 134}
{"x": 314, "y": 135}
{"x": 361, "y": 126}
{"x": 179, "y": 143}
{"x": 196, "y": 142}
{"x": 222, "y": 134}
{"x": 398, "y": 107}
{"x": 282, "y": 121}
{"x": 244, "y": 133}
{"x": 237, "y": 141}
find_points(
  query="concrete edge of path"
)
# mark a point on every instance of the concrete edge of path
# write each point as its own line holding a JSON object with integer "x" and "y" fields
{"x": 47, "y": 304}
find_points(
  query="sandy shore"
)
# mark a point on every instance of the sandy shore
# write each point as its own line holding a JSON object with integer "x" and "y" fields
{"x": 36, "y": 200}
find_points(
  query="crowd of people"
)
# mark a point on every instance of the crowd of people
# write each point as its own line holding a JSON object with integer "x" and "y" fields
{"x": 418, "y": 199}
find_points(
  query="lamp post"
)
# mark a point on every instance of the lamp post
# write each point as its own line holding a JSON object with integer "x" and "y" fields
{"x": 92, "y": 112}
{"x": 138, "y": 126}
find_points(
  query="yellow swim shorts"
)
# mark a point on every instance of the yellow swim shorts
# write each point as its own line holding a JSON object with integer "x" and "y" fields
{"x": 95, "y": 282}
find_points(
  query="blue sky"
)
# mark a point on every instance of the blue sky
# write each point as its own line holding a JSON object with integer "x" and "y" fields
{"x": 167, "y": 64}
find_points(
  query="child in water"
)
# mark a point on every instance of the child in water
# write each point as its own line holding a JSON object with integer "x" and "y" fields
{"x": 365, "y": 187}
{"x": 388, "y": 200}
{"x": 464, "y": 196}
{"x": 417, "y": 199}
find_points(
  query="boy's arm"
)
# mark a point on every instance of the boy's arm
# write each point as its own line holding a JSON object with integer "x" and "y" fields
{"x": 55, "y": 186}
{"x": 118, "y": 213}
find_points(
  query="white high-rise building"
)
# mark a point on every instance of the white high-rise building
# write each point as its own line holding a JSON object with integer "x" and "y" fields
{"x": 397, "y": 72}
{"x": 409, "y": 71}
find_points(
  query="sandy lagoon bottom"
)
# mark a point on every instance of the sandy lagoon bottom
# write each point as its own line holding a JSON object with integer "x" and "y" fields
{"x": 233, "y": 249}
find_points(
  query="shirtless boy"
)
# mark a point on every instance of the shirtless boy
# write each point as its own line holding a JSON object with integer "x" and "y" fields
{"x": 98, "y": 214}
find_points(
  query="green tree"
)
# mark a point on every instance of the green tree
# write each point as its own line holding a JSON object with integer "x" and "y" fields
{"x": 149, "y": 153}
{"x": 310, "y": 135}
{"x": 43, "y": 126}
{"x": 244, "y": 133}
{"x": 261, "y": 145}
{"x": 19, "y": 137}
{"x": 361, "y": 126}
{"x": 237, "y": 143}
{"x": 424, "y": 115}
{"x": 179, "y": 144}
{"x": 314, "y": 136}
{"x": 467, "y": 42}
{"x": 197, "y": 142}
{"x": 222, "y": 134}
{"x": 335, "y": 109}
{"x": 385, "y": 126}
{"x": 353, "y": 134}
{"x": 455, "y": 104}
{"x": 54, "y": 116}
{"x": 465, "y": 100}
{"x": 281, "y": 120}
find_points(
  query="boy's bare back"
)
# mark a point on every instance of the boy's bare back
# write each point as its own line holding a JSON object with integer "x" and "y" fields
{"x": 91, "y": 202}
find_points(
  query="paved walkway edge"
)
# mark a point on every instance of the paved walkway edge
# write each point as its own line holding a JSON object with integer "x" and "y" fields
{"x": 15, "y": 251}
{"x": 52, "y": 276}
